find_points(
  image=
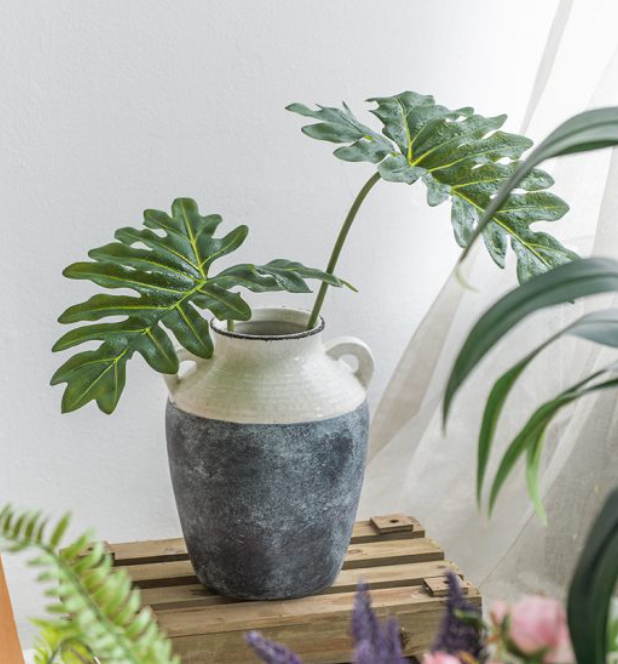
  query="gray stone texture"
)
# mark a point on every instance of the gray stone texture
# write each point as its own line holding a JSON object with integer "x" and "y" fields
{"x": 267, "y": 510}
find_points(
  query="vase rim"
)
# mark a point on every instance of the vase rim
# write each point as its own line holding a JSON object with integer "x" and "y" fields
{"x": 273, "y": 315}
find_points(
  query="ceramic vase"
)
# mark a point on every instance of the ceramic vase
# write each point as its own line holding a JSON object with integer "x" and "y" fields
{"x": 267, "y": 444}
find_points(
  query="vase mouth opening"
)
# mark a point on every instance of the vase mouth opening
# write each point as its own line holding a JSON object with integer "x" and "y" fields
{"x": 271, "y": 324}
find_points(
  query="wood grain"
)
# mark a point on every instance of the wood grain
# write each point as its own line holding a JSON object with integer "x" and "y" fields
{"x": 327, "y": 641}
{"x": 402, "y": 566}
{"x": 371, "y": 554}
{"x": 392, "y": 523}
{"x": 169, "y": 550}
{"x": 168, "y": 597}
{"x": 307, "y": 610}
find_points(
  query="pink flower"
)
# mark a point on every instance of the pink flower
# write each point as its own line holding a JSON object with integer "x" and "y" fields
{"x": 499, "y": 611}
{"x": 439, "y": 657}
{"x": 562, "y": 652}
{"x": 539, "y": 623}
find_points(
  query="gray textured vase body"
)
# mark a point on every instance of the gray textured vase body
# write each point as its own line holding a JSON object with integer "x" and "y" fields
{"x": 267, "y": 445}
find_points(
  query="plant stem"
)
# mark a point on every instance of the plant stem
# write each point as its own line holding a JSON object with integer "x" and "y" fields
{"x": 230, "y": 325}
{"x": 343, "y": 234}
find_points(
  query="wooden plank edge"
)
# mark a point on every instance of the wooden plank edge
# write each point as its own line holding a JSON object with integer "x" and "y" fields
{"x": 327, "y": 642}
{"x": 373, "y": 554}
{"x": 262, "y": 614}
{"x": 174, "y": 549}
{"x": 168, "y": 598}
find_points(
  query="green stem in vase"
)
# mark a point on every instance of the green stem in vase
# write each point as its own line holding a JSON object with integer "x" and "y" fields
{"x": 343, "y": 234}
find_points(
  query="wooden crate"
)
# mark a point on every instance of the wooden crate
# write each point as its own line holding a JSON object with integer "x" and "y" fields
{"x": 403, "y": 567}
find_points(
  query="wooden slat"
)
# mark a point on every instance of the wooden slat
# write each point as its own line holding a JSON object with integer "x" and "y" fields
{"x": 437, "y": 586}
{"x": 261, "y": 615}
{"x": 162, "y": 574}
{"x": 150, "y": 551}
{"x": 403, "y": 568}
{"x": 392, "y": 523}
{"x": 390, "y": 576}
{"x": 326, "y": 642}
{"x": 392, "y": 552}
{"x": 365, "y": 531}
{"x": 174, "y": 549}
{"x": 166, "y": 598}
{"x": 10, "y": 648}
{"x": 371, "y": 554}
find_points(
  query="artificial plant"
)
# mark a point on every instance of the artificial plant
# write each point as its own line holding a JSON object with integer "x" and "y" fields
{"x": 168, "y": 264}
{"x": 587, "y": 131}
{"x": 95, "y": 614}
{"x": 461, "y": 157}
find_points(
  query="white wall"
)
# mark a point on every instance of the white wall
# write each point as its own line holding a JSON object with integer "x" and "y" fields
{"x": 110, "y": 107}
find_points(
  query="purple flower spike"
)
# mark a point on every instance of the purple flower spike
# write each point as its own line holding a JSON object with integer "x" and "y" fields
{"x": 363, "y": 653}
{"x": 374, "y": 643}
{"x": 456, "y": 635}
{"x": 365, "y": 625}
{"x": 269, "y": 651}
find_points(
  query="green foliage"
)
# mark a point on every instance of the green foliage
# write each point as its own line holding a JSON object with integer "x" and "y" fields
{"x": 612, "y": 627}
{"x": 593, "y": 633}
{"x": 587, "y": 131}
{"x": 599, "y": 327}
{"x": 461, "y": 156}
{"x": 167, "y": 264}
{"x": 564, "y": 284}
{"x": 94, "y": 611}
{"x": 591, "y": 130}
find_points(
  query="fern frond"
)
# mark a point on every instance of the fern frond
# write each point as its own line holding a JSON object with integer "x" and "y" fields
{"x": 95, "y": 612}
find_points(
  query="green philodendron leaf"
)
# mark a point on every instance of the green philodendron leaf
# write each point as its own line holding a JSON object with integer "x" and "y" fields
{"x": 600, "y": 327}
{"x": 591, "y": 130}
{"x": 587, "y": 276}
{"x": 167, "y": 264}
{"x": 461, "y": 156}
{"x": 592, "y": 587}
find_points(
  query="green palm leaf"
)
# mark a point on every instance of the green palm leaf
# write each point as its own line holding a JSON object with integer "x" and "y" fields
{"x": 589, "y": 276}
{"x": 569, "y": 282}
{"x": 167, "y": 264}
{"x": 600, "y": 327}
{"x": 95, "y": 613}
{"x": 530, "y": 439}
{"x": 460, "y": 156}
{"x": 592, "y": 587}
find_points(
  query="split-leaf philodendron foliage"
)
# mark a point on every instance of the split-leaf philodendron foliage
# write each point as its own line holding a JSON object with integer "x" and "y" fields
{"x": 168, "y": 264}
{"x": 460, "y": 156}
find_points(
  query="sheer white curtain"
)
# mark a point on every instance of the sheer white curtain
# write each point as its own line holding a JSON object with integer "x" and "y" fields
{"x": 413, "y": 466}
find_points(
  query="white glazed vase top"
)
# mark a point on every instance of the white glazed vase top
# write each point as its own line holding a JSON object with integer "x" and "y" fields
{"x": 291, "y": 376}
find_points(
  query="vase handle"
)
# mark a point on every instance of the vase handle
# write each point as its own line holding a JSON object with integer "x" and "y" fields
{"x": 173, "y": 380}
{"x": 341, "y": 346}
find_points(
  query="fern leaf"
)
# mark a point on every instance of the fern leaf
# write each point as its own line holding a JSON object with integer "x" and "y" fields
{"x": 97, "y": 612}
